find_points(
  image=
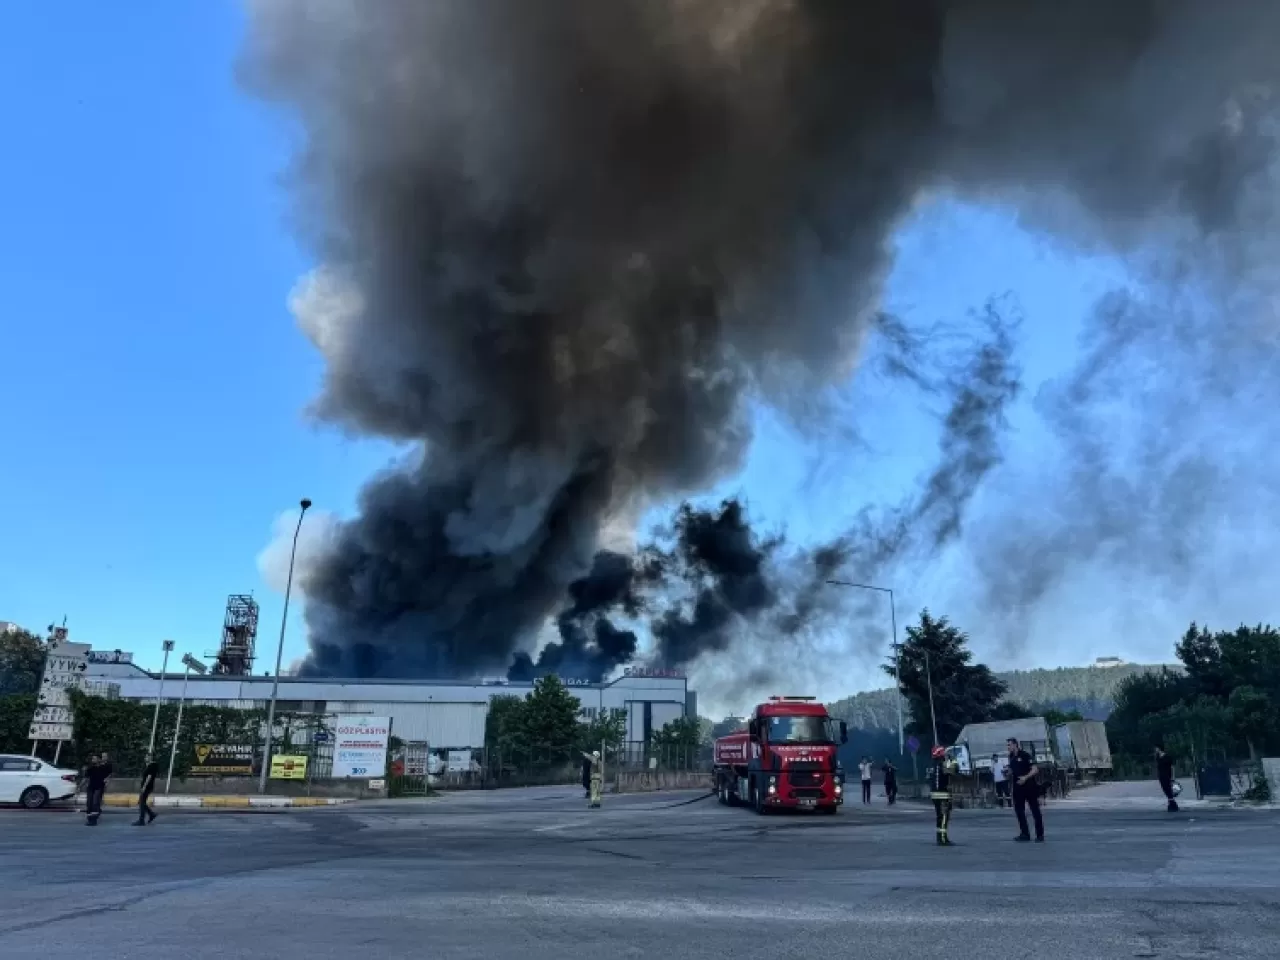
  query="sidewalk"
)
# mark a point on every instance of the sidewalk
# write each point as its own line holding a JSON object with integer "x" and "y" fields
{"x": 235, "y": 803}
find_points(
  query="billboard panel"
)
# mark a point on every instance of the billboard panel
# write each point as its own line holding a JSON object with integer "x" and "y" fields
{"x": 360, "y": 746}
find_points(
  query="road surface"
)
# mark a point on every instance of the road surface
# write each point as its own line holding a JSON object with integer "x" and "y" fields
{"x": 534, "y": 875}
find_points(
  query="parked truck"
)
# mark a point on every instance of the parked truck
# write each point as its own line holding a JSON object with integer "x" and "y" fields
{"x": 785, "y": 759}
{"x": 1083, "y": 746}
{"x": 978, "y": 742}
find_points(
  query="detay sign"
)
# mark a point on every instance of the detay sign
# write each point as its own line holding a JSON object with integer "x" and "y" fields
{"x": 360, "y": 746}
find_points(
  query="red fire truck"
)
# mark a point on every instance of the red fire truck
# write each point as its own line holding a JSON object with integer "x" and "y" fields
{"x": 786, "y": 758}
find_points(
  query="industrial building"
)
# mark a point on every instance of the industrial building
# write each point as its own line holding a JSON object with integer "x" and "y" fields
{"x": 446, "y": 714}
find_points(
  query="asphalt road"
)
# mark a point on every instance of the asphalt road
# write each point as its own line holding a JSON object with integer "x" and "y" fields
{"x": 532, "y": 874}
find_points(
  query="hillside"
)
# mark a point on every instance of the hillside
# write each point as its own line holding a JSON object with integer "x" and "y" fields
{"x": 1087, "y": 689}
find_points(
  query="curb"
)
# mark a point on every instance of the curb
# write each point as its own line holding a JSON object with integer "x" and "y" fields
{"x": 227, "y": 803}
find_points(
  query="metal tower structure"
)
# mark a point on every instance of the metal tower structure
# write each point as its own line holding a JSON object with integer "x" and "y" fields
{"x": 239, "y": 636}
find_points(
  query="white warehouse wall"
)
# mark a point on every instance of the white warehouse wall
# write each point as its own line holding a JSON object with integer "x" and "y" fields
{"x": 444, "y": 714}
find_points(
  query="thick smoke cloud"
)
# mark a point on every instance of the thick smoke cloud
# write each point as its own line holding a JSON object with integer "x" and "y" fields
{"x": 711, "y": 584}
{"x": 564, "y": 242}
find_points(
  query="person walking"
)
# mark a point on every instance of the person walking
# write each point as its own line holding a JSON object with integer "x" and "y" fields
{"x": 864, "y": 771}
{"x": 1026, "y": 791}
{"x": 586, "y": 776}
{"x": 1000, "y": 777}
{"x": 97, "y": 775}
{"x": 940, "y": 793}
{"x": 890, "y": 781}
{"x": 1164, "y": 773}
{"x": 145, "y": 814}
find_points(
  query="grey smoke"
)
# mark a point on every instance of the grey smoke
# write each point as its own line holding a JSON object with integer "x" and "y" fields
{"x": 564, "y": 242}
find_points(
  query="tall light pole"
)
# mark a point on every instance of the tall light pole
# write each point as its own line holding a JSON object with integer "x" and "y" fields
{"x": 928, "y": 679}
{"x": 155, "y": 717}
{"x": 897, "y": 651}
{"x": 191, "y": 663}
{"x": 275, "y": 677}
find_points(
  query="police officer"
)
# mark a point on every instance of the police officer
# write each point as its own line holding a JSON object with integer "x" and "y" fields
{"x": 1026, "y": 791}
{"x": 597, "y": 777}
{"x": 940, "y": 792}
{"x": 1164, "y": 773}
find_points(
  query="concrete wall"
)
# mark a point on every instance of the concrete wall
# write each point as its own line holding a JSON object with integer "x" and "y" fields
{"x": 1271, "y": 770}
{"x": 248, "y": 786}
{"x": 648, "y": 780}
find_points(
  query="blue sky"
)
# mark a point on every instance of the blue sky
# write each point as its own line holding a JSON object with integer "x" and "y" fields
{"x": 156, "y": 384}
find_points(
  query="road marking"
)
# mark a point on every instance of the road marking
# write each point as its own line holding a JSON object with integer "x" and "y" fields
{"x": 559, "y": 826}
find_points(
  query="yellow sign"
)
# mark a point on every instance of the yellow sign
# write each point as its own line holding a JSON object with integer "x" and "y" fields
{"x": 288, "y": 768}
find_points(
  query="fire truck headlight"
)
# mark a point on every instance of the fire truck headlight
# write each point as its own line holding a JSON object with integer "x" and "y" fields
{"x": 839, "y": 789}
{"x": 773, "y": 785}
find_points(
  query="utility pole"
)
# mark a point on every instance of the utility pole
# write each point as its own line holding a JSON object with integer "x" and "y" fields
{"x": 155, "y": 718}
{"x": 897, "y": 652}
{"x": 933, "y": 717}
{"x": 275, "y": 677}
{"x": 191, "y": 663}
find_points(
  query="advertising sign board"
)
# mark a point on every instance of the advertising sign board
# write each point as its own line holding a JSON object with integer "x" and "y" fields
{"x": 288, "y": 768}
{"x": 360, "y": 746}
{"x": 214, "y": 760}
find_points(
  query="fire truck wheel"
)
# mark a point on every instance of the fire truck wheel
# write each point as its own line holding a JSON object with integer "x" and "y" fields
{"x": 722, "y": 791}
{"x": 829, "y": 811}
{"x": 757, "y": 800}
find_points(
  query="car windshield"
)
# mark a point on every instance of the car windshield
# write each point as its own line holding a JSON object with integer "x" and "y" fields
{"x": 798, "y": 730}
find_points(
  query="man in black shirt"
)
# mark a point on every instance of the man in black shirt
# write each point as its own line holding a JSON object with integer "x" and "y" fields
{"x": 1164, "y": 773}
{"x": 97, "y": 775}
{"x": 890, "y": 781}
{"x": 1026, "y": 792}
{"x": 145, "y": 813}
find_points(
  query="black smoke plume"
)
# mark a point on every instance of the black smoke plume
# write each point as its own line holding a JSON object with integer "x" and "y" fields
{"x": 565, "y": 241}
{"x": 590, "y": 645}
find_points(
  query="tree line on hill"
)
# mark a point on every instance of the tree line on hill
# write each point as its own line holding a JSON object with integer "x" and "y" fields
{"x": 1221, "y": 703}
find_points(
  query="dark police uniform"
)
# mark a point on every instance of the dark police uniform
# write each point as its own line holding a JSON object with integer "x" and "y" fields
{"x": 1025, "y": 794}
{"x": 940, "y": 794}
{"x": 1164, "y": 773}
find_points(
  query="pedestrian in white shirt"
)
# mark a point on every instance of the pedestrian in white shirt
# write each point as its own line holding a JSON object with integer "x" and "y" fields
{"x": 864, "y": 770}
{"x": 1000, "y": 775}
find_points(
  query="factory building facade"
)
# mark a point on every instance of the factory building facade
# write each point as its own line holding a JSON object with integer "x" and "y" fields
{"x": 445, "y": 714}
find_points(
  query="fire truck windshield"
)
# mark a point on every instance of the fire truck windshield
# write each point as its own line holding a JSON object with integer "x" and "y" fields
{"x": 798, "y": 730}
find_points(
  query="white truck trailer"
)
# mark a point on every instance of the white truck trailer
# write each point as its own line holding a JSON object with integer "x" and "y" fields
{"x": 1082, "y": 746}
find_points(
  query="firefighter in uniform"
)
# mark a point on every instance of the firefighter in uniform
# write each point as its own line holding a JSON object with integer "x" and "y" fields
{"x": 597, "y": 777}
{"x": 940, "y": 792}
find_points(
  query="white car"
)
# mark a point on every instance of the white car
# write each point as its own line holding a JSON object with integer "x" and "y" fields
{"x": 33, "y": 783}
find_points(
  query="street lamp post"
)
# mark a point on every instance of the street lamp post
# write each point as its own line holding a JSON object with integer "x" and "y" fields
{"x": 275, "y": 678}
{"x": 928, "y": 678}
{"x": 897, "y": 650}
{"x": 191, "y": 663}
{"x": 155, "y": 717}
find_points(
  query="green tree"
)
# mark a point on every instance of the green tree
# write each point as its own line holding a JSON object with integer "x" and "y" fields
{"x": 1056, "y": 718}
{"x": 684, "y": 733}
{"x": 1138, "y": 698}
{"x": 21, "y": 662}
{"x": 1010, "y": 710}
{"x": 549, "y": 719}
{"x": 963, "y": 691}
{"x": 16, "y": 711}
{"x": 504, "y": 726}
{"x": 1253, "y": 718}
{"x": 609, "y": 729}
